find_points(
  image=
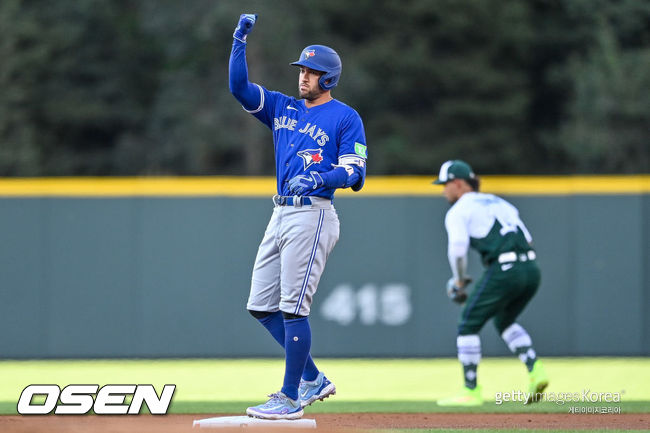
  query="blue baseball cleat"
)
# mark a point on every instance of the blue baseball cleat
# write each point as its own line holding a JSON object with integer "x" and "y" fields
{"x": 279, "y": 406}
{"x": 318, "y": 389}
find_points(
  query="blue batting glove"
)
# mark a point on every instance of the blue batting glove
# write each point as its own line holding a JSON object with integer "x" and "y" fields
{"x": 244, "y": 27}
{"x": 301, "y": 183}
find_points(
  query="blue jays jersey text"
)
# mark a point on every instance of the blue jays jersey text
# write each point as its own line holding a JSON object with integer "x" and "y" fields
{"x": 311, "y": 139}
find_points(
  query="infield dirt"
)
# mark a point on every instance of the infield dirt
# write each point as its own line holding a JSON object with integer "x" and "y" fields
{"x": 347, "y": 422}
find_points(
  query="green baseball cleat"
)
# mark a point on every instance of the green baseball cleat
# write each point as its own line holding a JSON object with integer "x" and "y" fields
{"x": 538, "y": 382}
{"x": 466, "y": 397}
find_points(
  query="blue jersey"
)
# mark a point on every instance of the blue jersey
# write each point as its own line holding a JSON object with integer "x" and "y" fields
{"x": 319, "y": 138}
{"x": 311, "y": 139}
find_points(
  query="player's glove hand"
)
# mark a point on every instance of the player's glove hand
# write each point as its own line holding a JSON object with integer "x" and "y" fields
{"x": 457, "y": 294}
{"x": 244, "y": 27}
{"x": 301, "y": 183}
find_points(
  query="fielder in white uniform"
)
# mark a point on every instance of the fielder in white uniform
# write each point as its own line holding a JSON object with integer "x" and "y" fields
{"x": 491, "y": 226}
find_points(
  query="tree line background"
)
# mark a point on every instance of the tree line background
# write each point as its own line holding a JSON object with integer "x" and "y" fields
{"x": 140, "y": 87}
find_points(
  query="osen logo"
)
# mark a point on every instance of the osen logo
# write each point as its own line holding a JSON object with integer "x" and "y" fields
{"x": 109, "y": 399}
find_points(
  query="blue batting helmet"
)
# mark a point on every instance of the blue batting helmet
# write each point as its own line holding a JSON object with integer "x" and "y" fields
{"x": 324, "y": 59}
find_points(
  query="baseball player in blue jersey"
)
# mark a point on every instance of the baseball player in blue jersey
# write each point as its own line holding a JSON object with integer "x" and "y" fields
{"x": 319, "y": 146}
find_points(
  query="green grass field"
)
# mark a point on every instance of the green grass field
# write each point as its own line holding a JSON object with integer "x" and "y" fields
{"x": 378, "y": 385}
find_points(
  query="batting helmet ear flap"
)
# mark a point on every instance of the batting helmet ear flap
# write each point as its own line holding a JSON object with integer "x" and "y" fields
{"x": 324, "y": 59}
{"x": 328, "y": 81}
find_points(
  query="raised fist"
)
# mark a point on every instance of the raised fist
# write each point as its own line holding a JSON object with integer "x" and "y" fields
{"x": 244, "y": 26}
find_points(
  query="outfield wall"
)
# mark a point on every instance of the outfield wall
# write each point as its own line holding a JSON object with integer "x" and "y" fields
{"x": 161, "y": 268}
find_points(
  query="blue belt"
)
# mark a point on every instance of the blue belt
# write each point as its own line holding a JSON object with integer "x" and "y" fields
{"x": 291, "y": 200}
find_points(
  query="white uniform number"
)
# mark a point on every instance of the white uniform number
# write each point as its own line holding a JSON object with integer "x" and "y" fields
{"x": 389, "y": 305}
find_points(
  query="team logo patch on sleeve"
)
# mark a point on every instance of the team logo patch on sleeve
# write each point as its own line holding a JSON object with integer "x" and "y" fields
{"x": 360, "y": 150}
{"x": 311, "y": 156}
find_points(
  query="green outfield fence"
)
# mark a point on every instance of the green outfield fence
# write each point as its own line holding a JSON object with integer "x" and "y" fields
{"x": 160, "y": 267}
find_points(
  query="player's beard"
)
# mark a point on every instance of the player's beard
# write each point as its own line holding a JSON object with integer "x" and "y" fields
{"x": 310, "y": 95}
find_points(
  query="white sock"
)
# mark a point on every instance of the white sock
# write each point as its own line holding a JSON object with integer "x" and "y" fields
{"x": 520, "y": 343}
